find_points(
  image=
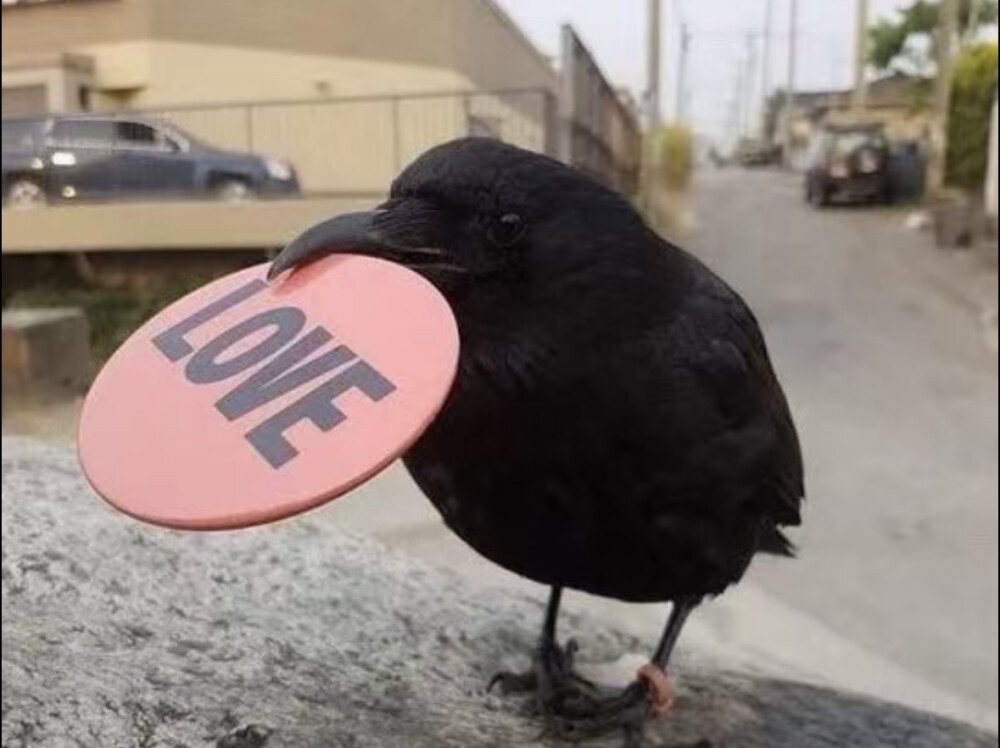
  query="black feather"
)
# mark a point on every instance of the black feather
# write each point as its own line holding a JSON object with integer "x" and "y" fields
{"x": 616, "y": 425}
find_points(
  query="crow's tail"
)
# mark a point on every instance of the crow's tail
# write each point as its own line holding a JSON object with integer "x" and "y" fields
{"x": 772, "y": 541}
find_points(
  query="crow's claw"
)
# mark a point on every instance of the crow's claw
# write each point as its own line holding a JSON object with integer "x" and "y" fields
{"x": 576, "y": 708}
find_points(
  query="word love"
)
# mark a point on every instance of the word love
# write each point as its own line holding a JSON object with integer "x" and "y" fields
{"x": 285, "y": 351}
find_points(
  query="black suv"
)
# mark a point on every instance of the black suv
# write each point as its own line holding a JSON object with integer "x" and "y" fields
{"x": 78, "y": 157}
{"x": 849, "y": 162}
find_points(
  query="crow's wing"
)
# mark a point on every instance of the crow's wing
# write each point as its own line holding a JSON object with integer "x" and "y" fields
{"x": 726, "y": 401}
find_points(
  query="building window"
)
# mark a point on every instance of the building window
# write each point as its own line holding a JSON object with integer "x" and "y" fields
{"x": 83, "y": 98}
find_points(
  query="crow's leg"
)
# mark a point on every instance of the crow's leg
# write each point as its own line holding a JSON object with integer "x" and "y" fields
{"x": 649, "y": 695}
{"x": 551, "y": 675}
{"x": 575, "y": 707}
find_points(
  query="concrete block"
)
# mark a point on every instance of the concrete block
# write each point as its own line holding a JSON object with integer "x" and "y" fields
{"x": 954, "y": 225}
{"x": 45, "y": 350}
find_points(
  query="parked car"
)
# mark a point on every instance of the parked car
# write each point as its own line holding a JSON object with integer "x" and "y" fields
{"x": 752, "y": 153}
{"x": 851, "y": 163}
{"x": 85, "y": 156}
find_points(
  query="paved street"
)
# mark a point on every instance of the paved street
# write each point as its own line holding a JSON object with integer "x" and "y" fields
{"x": 895, "y": 393}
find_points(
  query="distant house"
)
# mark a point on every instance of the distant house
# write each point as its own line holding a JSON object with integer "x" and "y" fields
{"x": 893, "y": 101}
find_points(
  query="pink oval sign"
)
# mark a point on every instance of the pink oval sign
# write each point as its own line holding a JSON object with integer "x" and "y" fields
{"x": 248, "y": 401}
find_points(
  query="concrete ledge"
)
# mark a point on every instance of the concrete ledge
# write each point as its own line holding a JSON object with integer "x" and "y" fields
{"x": 258, "y": 224}
{"x": 62, "y": 60}
{"x": 298, "y": 635}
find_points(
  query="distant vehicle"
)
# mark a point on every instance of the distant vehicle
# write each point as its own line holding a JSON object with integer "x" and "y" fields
{"x": 751, "y": 153}
{"x": 850, "y": 163}
{"x": 107, "y": 157}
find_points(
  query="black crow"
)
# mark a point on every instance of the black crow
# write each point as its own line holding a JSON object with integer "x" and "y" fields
{"x": 615, "y": 426}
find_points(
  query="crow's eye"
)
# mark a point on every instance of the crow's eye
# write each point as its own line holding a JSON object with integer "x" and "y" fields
{"x": 506, "y": 229}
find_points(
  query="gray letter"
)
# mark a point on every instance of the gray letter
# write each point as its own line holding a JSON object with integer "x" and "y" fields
{"x": 268, "y": 438}
{"x": 204, "y": 368}
{"x": 172, "y": 343}
{"x": 277, "y": 377}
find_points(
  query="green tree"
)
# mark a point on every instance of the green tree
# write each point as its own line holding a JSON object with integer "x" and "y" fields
{"x": 974, "y": 88}
{"x": 907, "y": 41}
{"x": 676, "y": 147}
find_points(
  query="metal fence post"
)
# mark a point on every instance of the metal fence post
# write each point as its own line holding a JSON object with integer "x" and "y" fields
{"x": 467, "y": 114}
{"x": 396, "y": 154}
{"x": 550, "y": 123}
{"x": 249, "y": 124}
{"x": 567, "y": 104}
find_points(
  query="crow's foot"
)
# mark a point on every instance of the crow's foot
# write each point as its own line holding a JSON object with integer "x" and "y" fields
{"x": 575, "y": 708}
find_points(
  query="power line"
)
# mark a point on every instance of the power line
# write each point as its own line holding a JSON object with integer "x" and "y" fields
{"x": 707, "y": 32}
{"x": 860, "y": 92}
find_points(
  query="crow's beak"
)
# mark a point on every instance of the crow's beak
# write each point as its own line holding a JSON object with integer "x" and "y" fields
{"x": 400, "y": 232}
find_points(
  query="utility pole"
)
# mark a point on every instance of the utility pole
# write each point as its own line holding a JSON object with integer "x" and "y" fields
{"x": 990, "y": 193}
{"x": 681, "y": 92}
{"x": 859, "y": 95}
{"x": 741, "y": 100}
{"x": 793, "y": 42}
{"x": 751, "y": 77}
{"x": 973, "y": 23}
{"x": 946, "y": 31}
{"x": 733, "y": 121}
{"x": 650, "y": 157}
{"x": 653, "y": 66}
{"x": 765, "y": 71}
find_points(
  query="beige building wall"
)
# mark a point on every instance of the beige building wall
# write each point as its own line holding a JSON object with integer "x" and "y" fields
{"x": 337, "y": 145}
{"x": 900, "y": 123}
{"x": 160, "y": 52}
{"x": 124, "y": 67}
{"x": 57, "y": 28}
{"x": 357, "y": 146}
{"x": 188, "y": 73}
{"x": 57, "y": 77}
{"x": 51, "y": 79}
{"x": 173, "y": 56}
{"x": 471, "y": 37}
{"x": 491, "y": 50}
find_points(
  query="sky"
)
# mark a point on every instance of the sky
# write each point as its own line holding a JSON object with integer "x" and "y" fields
{"x": 615, "y": 31}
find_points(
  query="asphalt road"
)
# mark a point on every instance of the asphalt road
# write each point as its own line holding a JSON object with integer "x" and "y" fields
{"x": 883, "y": 353}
